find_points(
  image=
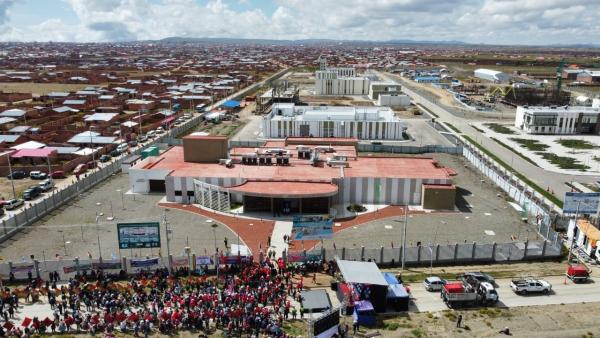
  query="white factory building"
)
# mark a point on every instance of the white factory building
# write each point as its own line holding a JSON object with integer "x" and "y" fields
{"x": 558, "y": 120}
{"x": 340, "y": 81}
{"x": 490, "y": 75}
{"x": 365, "y": 123}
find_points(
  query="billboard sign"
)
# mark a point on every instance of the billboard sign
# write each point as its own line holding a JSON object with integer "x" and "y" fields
{"x": 312, "y": 227}
{"x": 138, "y": 235}
{"x": 587, "y": 202}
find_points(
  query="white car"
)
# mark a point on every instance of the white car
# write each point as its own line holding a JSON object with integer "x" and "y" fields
{"x": 122, "y": 147}
{"x": 433, "y": 283}
{"x": 160, "y": 130}
{"x": 47, "y": 184}
{"x": 151, "y": 134}
{"x": 13, "y": 204}
{"x": 523, "y": 286}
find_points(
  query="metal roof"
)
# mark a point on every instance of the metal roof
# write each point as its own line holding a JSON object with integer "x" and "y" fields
{"x": 101, "y": 117}
{"x": 13, "y": 113}
{"x": 4, "y": 120}
{"x": 29, "y": 145}
{"x": 361, "y": 272}
{"x": 9, "y": 138}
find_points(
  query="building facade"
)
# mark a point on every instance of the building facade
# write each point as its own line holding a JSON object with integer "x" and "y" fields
{"x": 363, "y": 123}
{"x": 563, "y": 120}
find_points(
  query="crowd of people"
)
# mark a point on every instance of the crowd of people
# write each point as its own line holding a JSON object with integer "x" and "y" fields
{"x": 249, "y": 299}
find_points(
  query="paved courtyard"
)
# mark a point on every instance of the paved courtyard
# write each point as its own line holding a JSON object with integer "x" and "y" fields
{"x": 73, "y": 228}
{"x": 483, "y": 215}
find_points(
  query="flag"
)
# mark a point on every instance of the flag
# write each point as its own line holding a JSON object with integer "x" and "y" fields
{"x": 8, "y": 325}
{"x": 47, "y": 321}
{"x": 26, "y": 322}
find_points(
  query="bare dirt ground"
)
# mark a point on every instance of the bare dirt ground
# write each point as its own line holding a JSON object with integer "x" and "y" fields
{"x": 6, "y": 192}
{"x": 39, "y": 88}
{"x": 573, "y": 320}
{"x": 443, "y": 95}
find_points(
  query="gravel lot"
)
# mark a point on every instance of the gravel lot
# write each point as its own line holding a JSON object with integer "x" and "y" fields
{"x": 76, "y": 222}
{"x": 484, "y": 216}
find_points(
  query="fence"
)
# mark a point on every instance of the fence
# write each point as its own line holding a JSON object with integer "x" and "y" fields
{"x": 399, "y": 149}
{"x": 467, "y": 253}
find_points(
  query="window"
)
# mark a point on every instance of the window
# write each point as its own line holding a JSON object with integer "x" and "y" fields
{"x": 359, "y": 130}
{"x": 351, "y": 134}
{"x": 560, "y": 124}
{"x": 177, "y": 192}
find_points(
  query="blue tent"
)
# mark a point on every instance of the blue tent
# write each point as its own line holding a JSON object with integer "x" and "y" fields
{"x": 390, "y": 278}
{"x": 231, "y": 104}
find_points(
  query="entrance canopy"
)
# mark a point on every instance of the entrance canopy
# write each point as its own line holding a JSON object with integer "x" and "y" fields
{"x": 285, "y": 189}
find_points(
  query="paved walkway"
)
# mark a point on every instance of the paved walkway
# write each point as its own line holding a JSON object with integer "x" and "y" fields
{"x": 281, "y": 229}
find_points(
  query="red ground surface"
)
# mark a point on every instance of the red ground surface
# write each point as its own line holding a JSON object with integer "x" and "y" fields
{"x": 258, "y": 233}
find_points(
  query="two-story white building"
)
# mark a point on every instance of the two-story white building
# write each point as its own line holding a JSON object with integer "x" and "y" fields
{"x": 365, "y": 123}
{"x": 558, "y": 120}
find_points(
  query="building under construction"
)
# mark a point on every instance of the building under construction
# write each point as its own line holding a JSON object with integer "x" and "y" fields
{"x": 523, "y": 96}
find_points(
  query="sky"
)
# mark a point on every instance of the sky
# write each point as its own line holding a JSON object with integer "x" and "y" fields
{"x": 537, "y": 22}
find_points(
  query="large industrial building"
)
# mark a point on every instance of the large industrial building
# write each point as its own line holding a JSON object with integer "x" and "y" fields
{"x": 558, "y": 120}
{"x": 298, "y": 175}
{"x": 340, "y": 81}
{"x": 364, "y": 123}
{"x": 490, "y": 75}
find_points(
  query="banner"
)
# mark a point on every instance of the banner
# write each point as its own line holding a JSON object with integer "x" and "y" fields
{"x": 21, "y": 268}
{"x": 179, "y": 262}
{"x": 75, "y": 268}
{"x": 142, "y": 263}
{"x": 312, "y": 227}
{"x": 234, "y": 259}
{"x": 138, "y": 235}
{"x": 295, "y": 257}
{"x": 584, "y": 203}
{"x": 204, "y": 260}
{"x": 107, "y": 266}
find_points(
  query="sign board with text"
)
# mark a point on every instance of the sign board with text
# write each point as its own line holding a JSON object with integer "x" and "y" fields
{"x": 582, "y": 203}
{"x": 138, "y": 235}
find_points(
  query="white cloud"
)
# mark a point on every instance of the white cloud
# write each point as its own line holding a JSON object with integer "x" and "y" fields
{"x": 488, "y": 21}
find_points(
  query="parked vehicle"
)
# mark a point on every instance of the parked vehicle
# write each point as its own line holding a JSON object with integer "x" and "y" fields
{"x": 38, "y": 175}
{"x": 523, "y": 286}
{"x": 13, "y": 204}
{"x": 104, "y": 158}
{"x": 80, "y": 169}
{"x": 482, "y": 277}
{"x": 122, "y": 147}
{"x": 151, "y": 134}
{"x": 578, "y": 273}
{"x": 32, "y": 193}
{"x": 91, "y": 164}
{"x": 17, "y": 175}
{"x": 160, "y": 130}
{"x": 142, "y": 138}
{"x": 115, "y": 153}
{"x": 132, "y": 143}
{"x": 47, "y": 184}
{"x": 485, "y": 288}
{"x": 58, "y": 174}
{"x": 458, "y": 294}
{"x": 433, "y": 283}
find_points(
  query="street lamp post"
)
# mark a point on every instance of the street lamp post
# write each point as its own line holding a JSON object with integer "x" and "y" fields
{"x": 168, "y": 232}
{"x": 404, "y": 225}
{"x": 98, "y": 234}
{"x": 12, "y": 179}
{"x": 92, "y": 145}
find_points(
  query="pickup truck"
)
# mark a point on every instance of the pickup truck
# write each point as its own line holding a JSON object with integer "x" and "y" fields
{"x": 457, "y": 294}
{"x": 523, "y": 286}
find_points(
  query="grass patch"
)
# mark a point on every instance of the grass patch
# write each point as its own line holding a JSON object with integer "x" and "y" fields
{"x": 478, "y": 129}
{"x": 418, "y": 333}
{"x": 456, "y": 130}
{"x": 564, "y": 162}
{"x": 427, "y": 110}
{"x": 450, "y": 315}
{"x": 527, "y": 181}
{"x": 295, "y": 327}
{"x": 532, "y": 145}
{"x": 498, "y": 128}
{"x": 513, "y": 150}
{"x": 577, "y": 144}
